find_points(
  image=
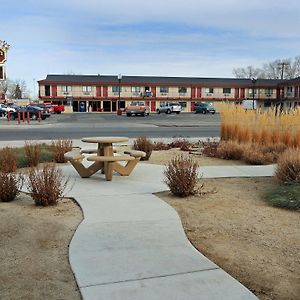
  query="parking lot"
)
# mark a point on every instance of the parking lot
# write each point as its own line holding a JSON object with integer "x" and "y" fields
{"x": 76, "y": 125}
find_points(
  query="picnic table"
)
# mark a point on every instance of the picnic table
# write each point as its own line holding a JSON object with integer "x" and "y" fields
{"x": 104, "y": 158}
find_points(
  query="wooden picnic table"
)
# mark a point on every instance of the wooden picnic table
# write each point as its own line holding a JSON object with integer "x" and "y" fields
{"x": 105, "y": 159}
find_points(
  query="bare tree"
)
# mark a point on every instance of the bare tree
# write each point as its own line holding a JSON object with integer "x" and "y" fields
{"x": 248, "y": 72}
{"x": 17, "y": 89}
{"x": 277, "y": 69}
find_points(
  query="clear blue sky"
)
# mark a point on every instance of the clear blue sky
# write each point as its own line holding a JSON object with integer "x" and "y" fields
{"x": 156, "y": 37}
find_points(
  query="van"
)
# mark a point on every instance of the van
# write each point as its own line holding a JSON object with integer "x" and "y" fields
{"x": 249, "y": 104}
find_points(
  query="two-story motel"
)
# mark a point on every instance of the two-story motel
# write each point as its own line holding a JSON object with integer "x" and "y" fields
{"x": 105, "y": 93}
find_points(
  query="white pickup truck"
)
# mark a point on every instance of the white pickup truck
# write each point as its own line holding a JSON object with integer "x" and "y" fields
{"x": 169, "y": 107}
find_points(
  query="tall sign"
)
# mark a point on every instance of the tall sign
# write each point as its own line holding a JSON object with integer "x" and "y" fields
{"x": 4, "y": 46}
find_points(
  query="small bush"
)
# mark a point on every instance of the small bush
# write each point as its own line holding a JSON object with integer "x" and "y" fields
{"x": 59, "y": 148}
{"x": 10, "y": 184}
{"x": 286, "y": 196}
{"x": 8, "y": 160}
{"x": 181, "y": 176}
{"x": 183, "y": 144}
{"x": 230, "y": 150}
{"x": 160, "y": 146}
{"x": 33, "y": 153}
{"x": 47, "y": 185}
{"x": 288, "y": 166}
{"x": 210, "y": 148}
{"x": 143, "y": 144}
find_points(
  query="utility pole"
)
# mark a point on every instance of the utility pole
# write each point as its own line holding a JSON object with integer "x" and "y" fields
{"x": 282, "y": 66}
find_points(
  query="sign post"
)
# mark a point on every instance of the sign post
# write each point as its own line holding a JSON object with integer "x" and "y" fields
{"x": 4, "y": 46}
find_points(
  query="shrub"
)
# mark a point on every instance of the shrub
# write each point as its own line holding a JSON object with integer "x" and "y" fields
{"x": 286, "y": 196}
{"x": 288, "y": 166}
{"x": 10, "y": 184}
{"x": 59, "y": 148}
{"x": 142, "y": 143}
{"x": 8, "y": 160}
{"x": 33, "y": 153}
{"x": 183, "y": 144}
{"x": 181, "y": 176}
{"x": 47, "y": 185}
{"x": 210, "y": 148}
{"x": 160, "y": 146}
{"x": 230, "y": 150}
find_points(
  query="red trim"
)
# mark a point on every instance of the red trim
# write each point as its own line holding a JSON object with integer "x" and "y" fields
{"x": 192, "y": 106}
{"x": 199, "y": 92}
{"x": 242, "y": 95}
{"x": 54, "y": 90}
{"x": 98, "y": 91}
{"x": 193, "y": 92}
{"x": 153, "y": 91}
{"x": 153, "y": 106}
{"x": 236, "y": 93}
{"x": 105, "y": 91}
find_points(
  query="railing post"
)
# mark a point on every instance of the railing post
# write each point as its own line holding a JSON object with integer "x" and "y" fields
{"x": 23, "y": 116}
{"x": 40, "y": 116}
{"x": 19, "y": 117}
{"x": 8, "y": 116}
{"x": 28, "y": 117}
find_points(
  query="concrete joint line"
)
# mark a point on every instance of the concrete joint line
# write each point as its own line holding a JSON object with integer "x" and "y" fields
{"x": 151, "y": 277}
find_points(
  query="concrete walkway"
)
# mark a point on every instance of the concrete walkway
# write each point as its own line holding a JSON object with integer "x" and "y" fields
{"x": 131, "y": 245}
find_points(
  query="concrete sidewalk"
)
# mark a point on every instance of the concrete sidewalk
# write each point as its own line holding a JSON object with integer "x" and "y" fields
{"x": 131, "y": 245}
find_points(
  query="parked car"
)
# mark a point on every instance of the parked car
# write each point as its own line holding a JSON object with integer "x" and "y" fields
{"x": 6, "y": 108}
{"x": 169, "y": 107}
{"x": 204, "y": 108}
{"x": 136, "y": 108}
{"x": 33, "y": 113}
{"x": 3, "y": 112}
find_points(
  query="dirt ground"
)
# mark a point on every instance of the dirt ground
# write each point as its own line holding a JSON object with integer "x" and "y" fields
{"x": 257, "y": 244}
{"x": 34, "y": 250}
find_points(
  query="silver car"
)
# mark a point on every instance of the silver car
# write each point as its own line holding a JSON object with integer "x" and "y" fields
{"x": 169, "y": 107}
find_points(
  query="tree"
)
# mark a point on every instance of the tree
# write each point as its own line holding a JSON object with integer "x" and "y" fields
{"x": 13, "y": 89}
{"x": 277, "y": 69}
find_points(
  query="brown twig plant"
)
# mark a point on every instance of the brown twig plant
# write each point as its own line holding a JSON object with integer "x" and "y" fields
{"x": 47, "y": 185}
{"x": 181, "y": 176}
{"x": 59, "y": 148}
{"x": 143, "y": 144}
{"x": 33, "y": 153}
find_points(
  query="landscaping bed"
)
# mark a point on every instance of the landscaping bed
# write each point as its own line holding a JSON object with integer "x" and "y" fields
{"x": 233, "y": 226}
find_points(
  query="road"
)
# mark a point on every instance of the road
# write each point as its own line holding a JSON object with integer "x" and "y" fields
{"x": 77, "y": 125}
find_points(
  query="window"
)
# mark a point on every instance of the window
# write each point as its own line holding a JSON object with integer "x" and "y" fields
{"x": 268, "y": 92}
{"x": 182, "y": 104}
{"x": 182, "y": 90}
{"x": 164, "y": 90}
{"x": 47, "y": 90}
{"x": 209, "y": 90}
{"x": 66, "y": 89}
{"x": 135, "y": 89}
{"x": 289, "y": 90}
{"x": 226, "y": 91}
{"x": 86, "y": 88}
{"x": 115, "y": 89}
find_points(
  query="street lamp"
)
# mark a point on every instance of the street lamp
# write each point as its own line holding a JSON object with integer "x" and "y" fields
{"x": 118, "y": 106}
{"x": 253, "y": 83}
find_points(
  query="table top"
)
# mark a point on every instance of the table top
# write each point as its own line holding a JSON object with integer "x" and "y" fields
{"x": 105, "y": 139}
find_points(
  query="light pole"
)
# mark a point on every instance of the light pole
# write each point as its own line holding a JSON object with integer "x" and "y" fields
{"x": 119, "y": 99}
{"x": 253, "y": 85}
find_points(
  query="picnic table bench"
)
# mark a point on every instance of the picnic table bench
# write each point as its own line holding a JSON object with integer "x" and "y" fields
{"x": 105, "y": 158}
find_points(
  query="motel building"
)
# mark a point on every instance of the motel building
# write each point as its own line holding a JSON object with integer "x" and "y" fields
{"x": 105, "y": 93}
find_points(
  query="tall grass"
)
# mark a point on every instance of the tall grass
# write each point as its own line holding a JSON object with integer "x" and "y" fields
{"x": 265, "y": 127}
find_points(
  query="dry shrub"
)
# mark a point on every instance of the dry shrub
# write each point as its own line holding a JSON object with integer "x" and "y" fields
{"x": 254, "y": 155}
{"x": 8, "y": 160}
{"x": 47, "y": 185}
{"x": 210, "y": 149}
{"x": 10, "y": 185}
{"x": 183, "y": 144}
{"x": 160, "y": 146}
{"x": 33, "y": 153}
{"x": 288, "y": 166}
{"x": 143, "y": 144}
{"x": 181, "y": 176}
{"x": 230, "y": 150}
{"x": 59, "y": 148}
